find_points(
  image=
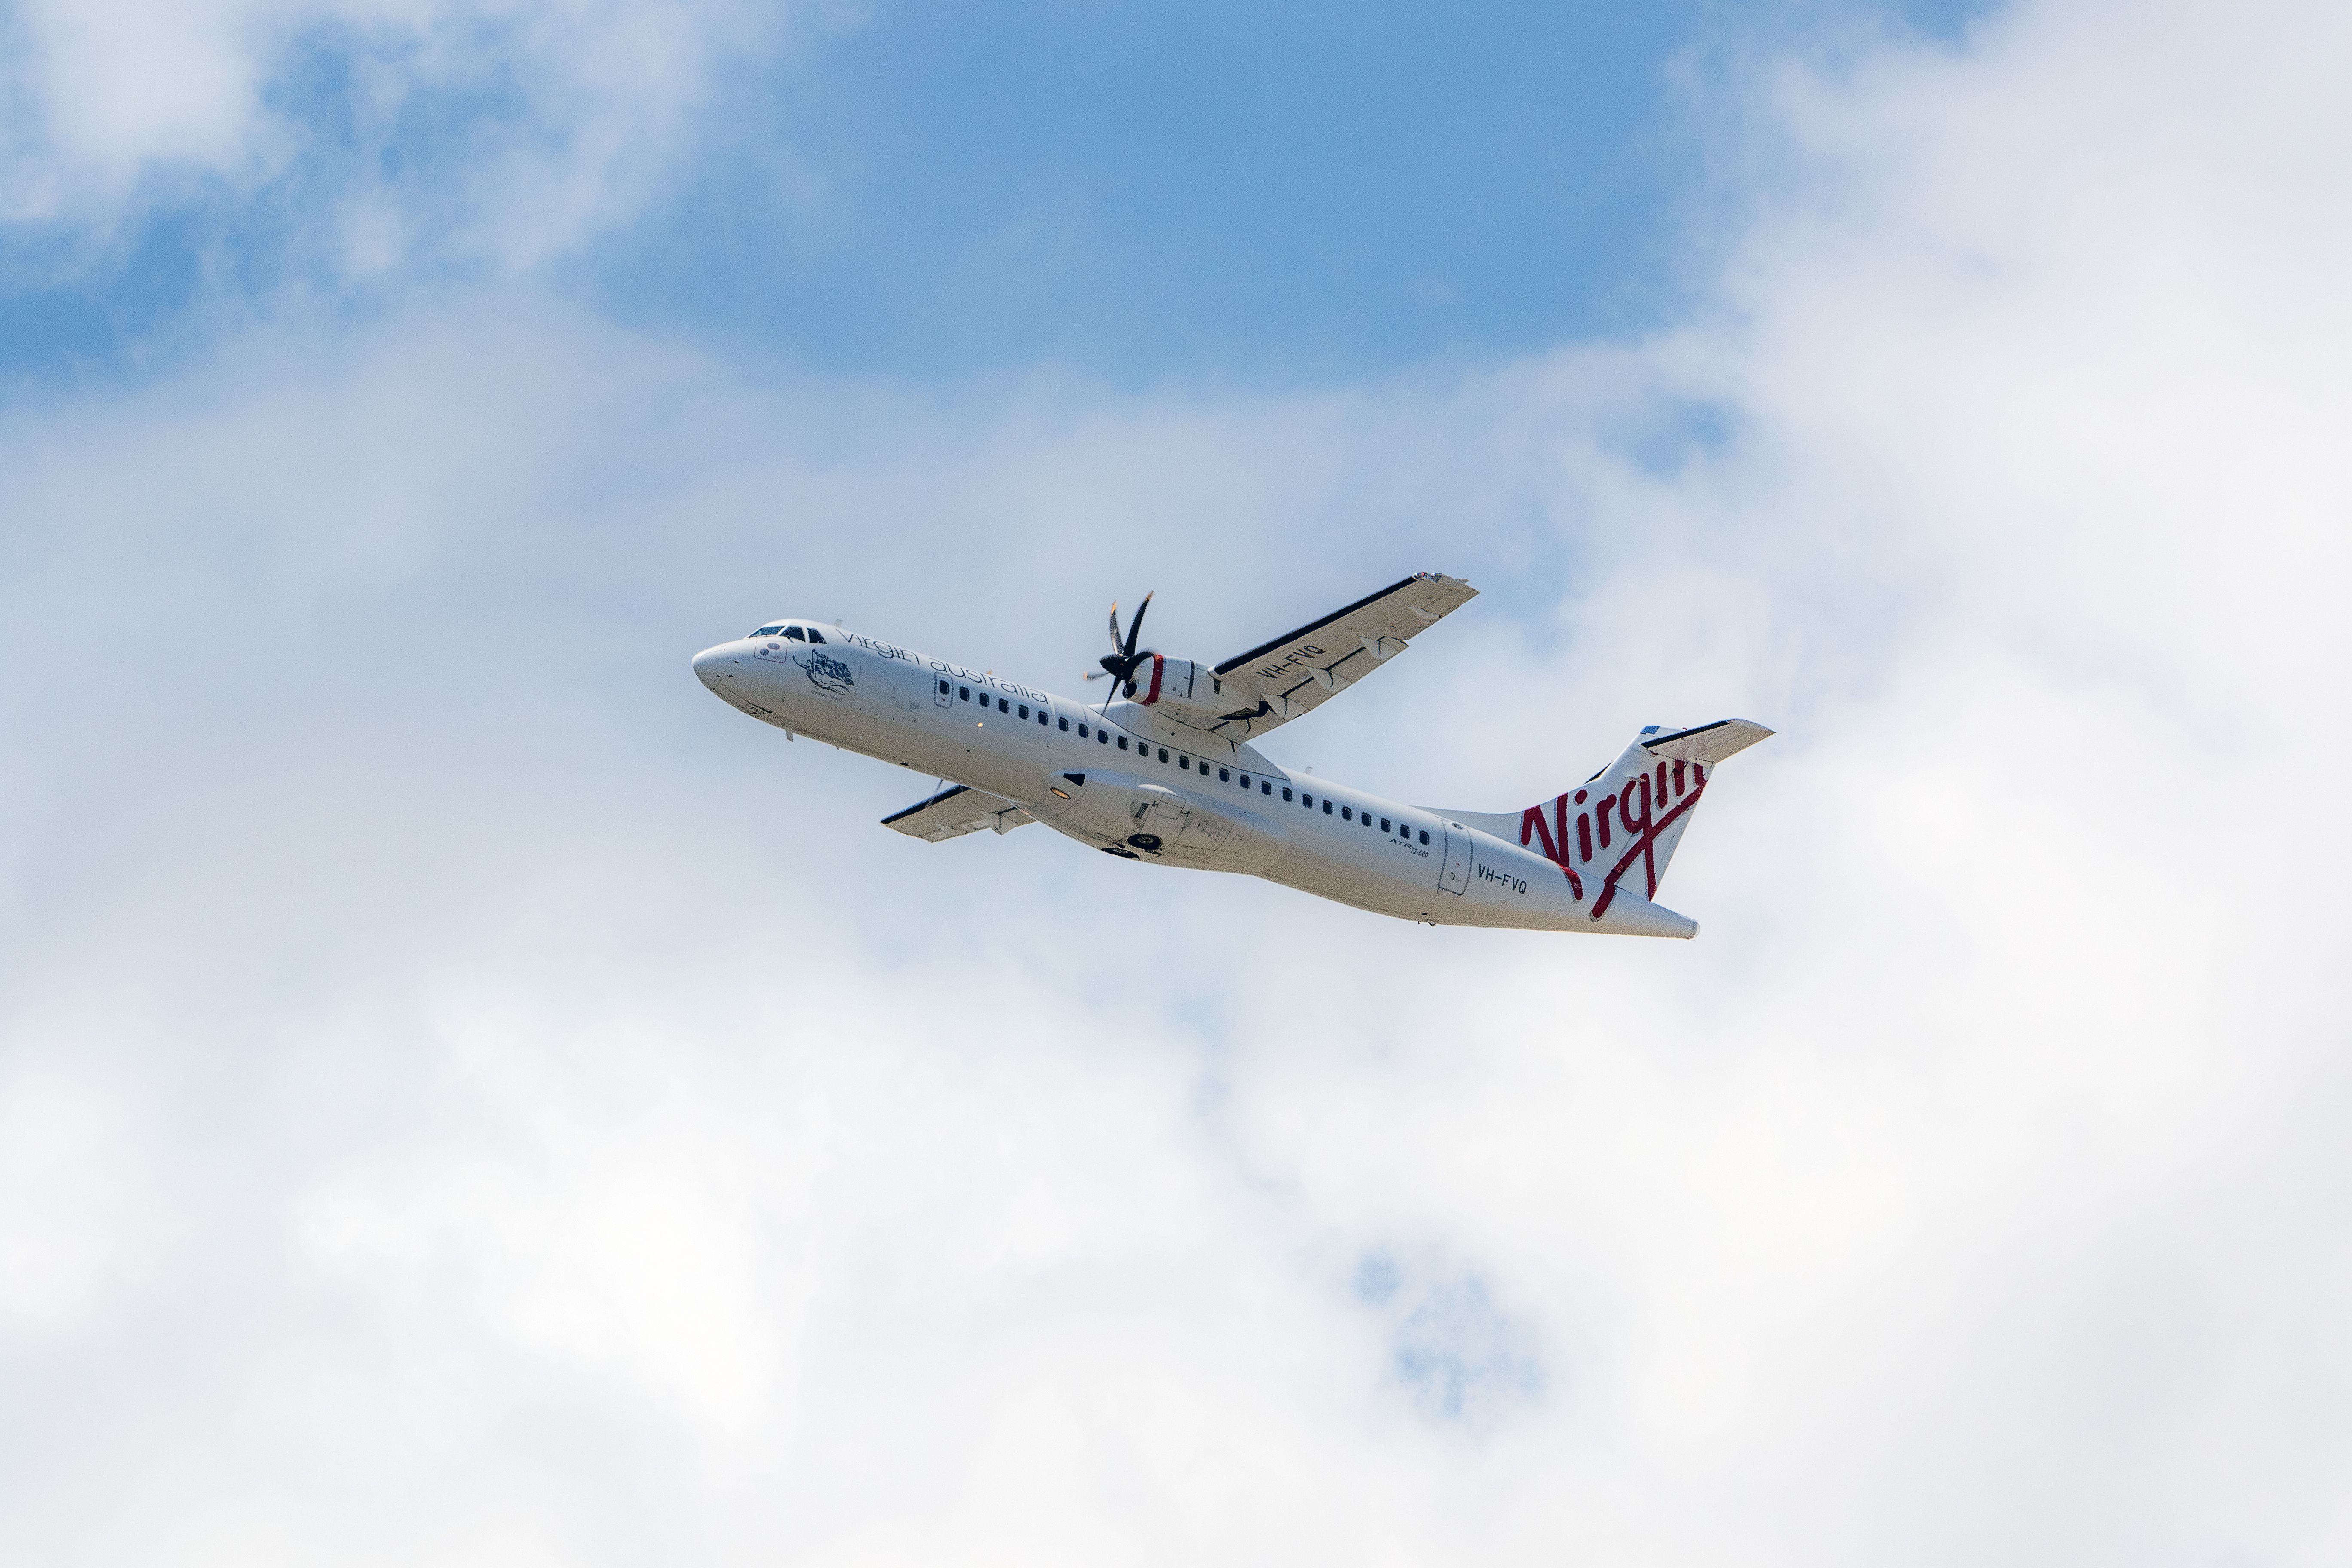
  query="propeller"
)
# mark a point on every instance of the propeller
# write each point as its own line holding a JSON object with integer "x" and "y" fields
{"x": 1121, "y": 663}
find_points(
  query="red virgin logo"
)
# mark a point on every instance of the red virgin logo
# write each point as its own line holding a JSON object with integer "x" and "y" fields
{"x": 1639, "y": 811}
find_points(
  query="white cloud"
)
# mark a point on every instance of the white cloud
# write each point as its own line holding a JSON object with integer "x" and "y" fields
{"x": 568, "y": 1131}
{"x": 478, "y": 130}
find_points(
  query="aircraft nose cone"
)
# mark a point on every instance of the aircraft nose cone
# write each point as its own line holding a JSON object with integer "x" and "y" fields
{"x": 709, "y": 664}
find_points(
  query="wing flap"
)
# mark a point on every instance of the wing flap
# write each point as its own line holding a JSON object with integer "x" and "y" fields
{"x": 1297, "y": 672}
{"x": 953, "y": 812}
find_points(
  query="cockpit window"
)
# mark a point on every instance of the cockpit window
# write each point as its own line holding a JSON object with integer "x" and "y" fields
{"x": 768, "y": 631}
{"x": 816, "y": 635}
{"x": 795, "y": 634}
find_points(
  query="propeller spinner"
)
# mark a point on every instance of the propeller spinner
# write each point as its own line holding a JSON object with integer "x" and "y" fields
{"x": 1121, "y": 663}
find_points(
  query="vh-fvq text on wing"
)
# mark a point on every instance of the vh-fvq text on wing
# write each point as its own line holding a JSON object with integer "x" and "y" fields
{"x": 1300, "y": 670}
{"x": 1295, "y": 673}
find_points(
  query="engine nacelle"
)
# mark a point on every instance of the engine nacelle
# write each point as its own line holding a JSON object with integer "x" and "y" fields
{"x": 1146, "y": 820}
{"x": 1188, "y": 690}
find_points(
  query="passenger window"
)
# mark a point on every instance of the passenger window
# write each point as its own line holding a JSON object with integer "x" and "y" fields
{"x": 1286, "y": 791}
{"x": 1163, "y": 754}
{"x": 1265, "y": 787}
{"x": 943, "y": 687}
{"x": 1082, "y": 732}
{"x": 1225, "y": 776}
{"x": 1102, "y": 737}
{"x": 1024, "y": 711}
{"x": 1347, "y": 814}
{"x": 1066, "y": 723}
{"x": 1122, "y": 743}
{"x": 795, "y": 634}
{"x": 1385, "y": 825}
{"x": 814, "y": 635}
{"x": 1043, "y": 720}
{"x": 1424, "y": 836}
{"x": 1327, "y": 808}
{"x": 1005, "y": 706}
{"x": 964, "y": 692}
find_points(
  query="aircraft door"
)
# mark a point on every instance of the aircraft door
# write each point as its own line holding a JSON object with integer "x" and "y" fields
{"x": 907, "y": 684}
{"x": 942, "y": 691}
{"x": 889, "y": 689}
{"x": 1455, "y": 877}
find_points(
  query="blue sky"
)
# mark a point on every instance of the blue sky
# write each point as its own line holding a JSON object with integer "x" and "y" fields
{"x": 1136, "y": 191}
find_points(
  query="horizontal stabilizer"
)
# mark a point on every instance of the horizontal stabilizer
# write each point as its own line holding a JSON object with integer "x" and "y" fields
{"x": 953, "y": 812}
{"x": 1707, "y": 744}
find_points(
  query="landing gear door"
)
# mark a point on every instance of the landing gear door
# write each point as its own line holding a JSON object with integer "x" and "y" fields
{"x": 1455, "y": 877}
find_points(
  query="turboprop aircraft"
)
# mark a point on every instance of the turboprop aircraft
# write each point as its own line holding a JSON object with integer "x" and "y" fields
{"x": 1166, "y": 771}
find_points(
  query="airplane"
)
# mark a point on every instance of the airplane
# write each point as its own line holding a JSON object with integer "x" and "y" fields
{"x": 1165, "y": 770}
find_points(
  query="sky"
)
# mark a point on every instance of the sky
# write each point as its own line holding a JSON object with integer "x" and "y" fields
{"x": 468, "y": 1097}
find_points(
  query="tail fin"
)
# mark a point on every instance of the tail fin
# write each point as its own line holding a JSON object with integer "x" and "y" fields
{"x": 1625, "y": 821}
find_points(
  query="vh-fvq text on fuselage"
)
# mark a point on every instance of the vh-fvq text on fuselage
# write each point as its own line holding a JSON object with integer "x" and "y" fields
{"x": 1165, "y": 770}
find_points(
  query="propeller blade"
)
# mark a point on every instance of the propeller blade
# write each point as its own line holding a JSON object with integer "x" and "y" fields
{"x": 1120, "y": 663}
{"x": 1135, "y": 628}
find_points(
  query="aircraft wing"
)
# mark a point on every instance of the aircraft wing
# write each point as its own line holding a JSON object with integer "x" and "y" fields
{"x": 953, "y": 812}
{"x": 1300, "y": 670}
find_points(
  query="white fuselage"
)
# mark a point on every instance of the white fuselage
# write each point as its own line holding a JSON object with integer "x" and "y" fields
{"x": 1135, "y": 784}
